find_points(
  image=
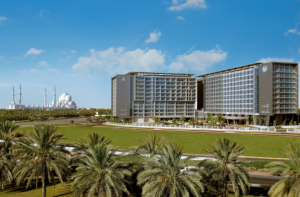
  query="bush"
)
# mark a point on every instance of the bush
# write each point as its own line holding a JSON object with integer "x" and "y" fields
{"x": 88, "y": 119}
{"x": 72, "y": 121}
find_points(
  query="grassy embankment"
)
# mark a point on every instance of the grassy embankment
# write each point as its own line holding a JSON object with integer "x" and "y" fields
{"x": 270, "y": 146}
{"x": 195, "y": 143}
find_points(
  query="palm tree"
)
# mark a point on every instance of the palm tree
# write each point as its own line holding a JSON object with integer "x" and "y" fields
{"x": 220, "y": 118}
{"x": 151, "y": 145}
{"x": 5, "y": 169}
{"x": 169, "y": 177}
{"x": 8, "y": 138}
{"x": 193, "y": 122}
{"x": 91, "y": 141}
{"x": 226, "y": 168}
{"x": 98, "y": 173}
{"x": 8, "y": 135}
{"x": 42, "y": 156}
{"x": 289, "y": 186}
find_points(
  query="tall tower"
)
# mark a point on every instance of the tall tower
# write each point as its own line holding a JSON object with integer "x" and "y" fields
{"x": 45, "y": 98}
{"x": 13, "y": 95}
{"x": 54, "y": 97}
{"x": 20, "y": 98}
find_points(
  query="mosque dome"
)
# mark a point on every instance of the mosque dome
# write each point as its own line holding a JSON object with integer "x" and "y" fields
{"x": 68, "y": 98}
{"x": 62, "y": 97}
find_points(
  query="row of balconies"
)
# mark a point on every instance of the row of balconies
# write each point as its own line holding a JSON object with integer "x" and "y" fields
{"x": 285, "y": 111}
{"x": 167, "y": 83}
{"x": 166, "y": 95}
{"x": 285, "y": 96}
{"x": 285, "y": 90}
{"x": 165, "y": 79}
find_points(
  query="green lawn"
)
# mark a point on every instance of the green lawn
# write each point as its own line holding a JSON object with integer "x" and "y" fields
{"x": 59, "y": 190}
{"x": 62, "y": 190}
{"x": 263, "y": 146}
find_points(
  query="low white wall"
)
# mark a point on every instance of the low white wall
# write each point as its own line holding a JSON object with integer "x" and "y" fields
{"x": 291, "y": 127}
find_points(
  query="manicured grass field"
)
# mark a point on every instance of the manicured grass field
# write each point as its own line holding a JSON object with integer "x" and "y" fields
{"x": 58, "y": 190}
{"x": 62, "y": 190}
{"x": 262, "y": 146}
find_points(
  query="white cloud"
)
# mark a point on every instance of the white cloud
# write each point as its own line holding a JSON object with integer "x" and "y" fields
{"x": 120, "y": 60}
{"x": 33, "y": 71}
{"x": 154, "y": 36}
{"x": 52, "y": 70}
{"x": 65, "y": 52}
{"x": 1, "y": 57}
{"x": 44, "y": 13}
{"x": 293, "y": 31}
{"x": 66, "y": 59}
{"x": 189, "y": 4}
{"x": 180, "y": 18}
{"x": 34, "y": 51}
{"x": 43, "y": 64}
{"x": 270, "y": 59}
{"x": 2, "y": 18}
{"x": 5, "y": 85}
{"x": 38, "y": 71}
{"x": 198, "y": 60}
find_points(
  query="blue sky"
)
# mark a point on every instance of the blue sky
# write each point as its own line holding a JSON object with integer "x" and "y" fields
{"x": 79, "y": 45}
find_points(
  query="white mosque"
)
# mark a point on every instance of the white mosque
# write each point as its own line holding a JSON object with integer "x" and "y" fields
{"x": 64, "y": 102}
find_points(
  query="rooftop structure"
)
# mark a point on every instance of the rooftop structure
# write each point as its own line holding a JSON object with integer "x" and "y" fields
{"x": 159, "y": 74}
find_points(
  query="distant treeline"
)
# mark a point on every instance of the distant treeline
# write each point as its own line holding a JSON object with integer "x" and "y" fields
{"x": 34, "y": 115}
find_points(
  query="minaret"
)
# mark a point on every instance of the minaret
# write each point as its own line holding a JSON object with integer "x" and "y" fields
{"x": 13, "y": 94}
{"x": 54, "y": 97}
{"x": 45, "y": 99}
{"x": 20, "y": 99}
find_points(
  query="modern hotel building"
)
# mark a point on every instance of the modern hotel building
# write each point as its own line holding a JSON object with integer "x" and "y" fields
{"x": 259, "y": 93}
{"x": 138, "y": 96}
{"x": 256, "y": 92}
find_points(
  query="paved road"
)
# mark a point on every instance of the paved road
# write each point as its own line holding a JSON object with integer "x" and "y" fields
{"x": 245, "y": 159}
{"x": 263, "y": 178}
{"x": 58, "y": 121}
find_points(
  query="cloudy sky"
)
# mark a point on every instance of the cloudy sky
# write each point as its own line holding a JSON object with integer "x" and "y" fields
{"x": 79, "y": 45}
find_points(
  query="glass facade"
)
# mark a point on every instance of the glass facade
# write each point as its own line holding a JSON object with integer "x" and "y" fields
{"x": 165, "y": 97}
{"x": 237, "y": 90}
{"x": 232, "y": 93}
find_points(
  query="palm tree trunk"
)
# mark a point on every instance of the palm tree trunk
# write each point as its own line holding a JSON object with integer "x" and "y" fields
{"x": 44, "y": 181}
{"x": 2, "y": 182}
{"x": 225, "y": 189}
{"x": 36, "y": 182}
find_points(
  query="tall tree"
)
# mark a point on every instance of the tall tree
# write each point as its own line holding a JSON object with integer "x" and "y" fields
{"x": 220, "y": 118}
{"x": 42, "y": 156}
{"x": 226, "y": 168}
{"x": 91, "y": 141}
{"x": 182, "y": 118}
{"x": 290, "y": 185}
{"x": 8, "y": 135}
{"x": 169, "y": 177}
{"x": 5, "y": 169}
{"x": 193, "y": 122}
{"x": 208, "y": 117}
{"x": 98, "y": 174}
{"x": 151, "y": 145}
